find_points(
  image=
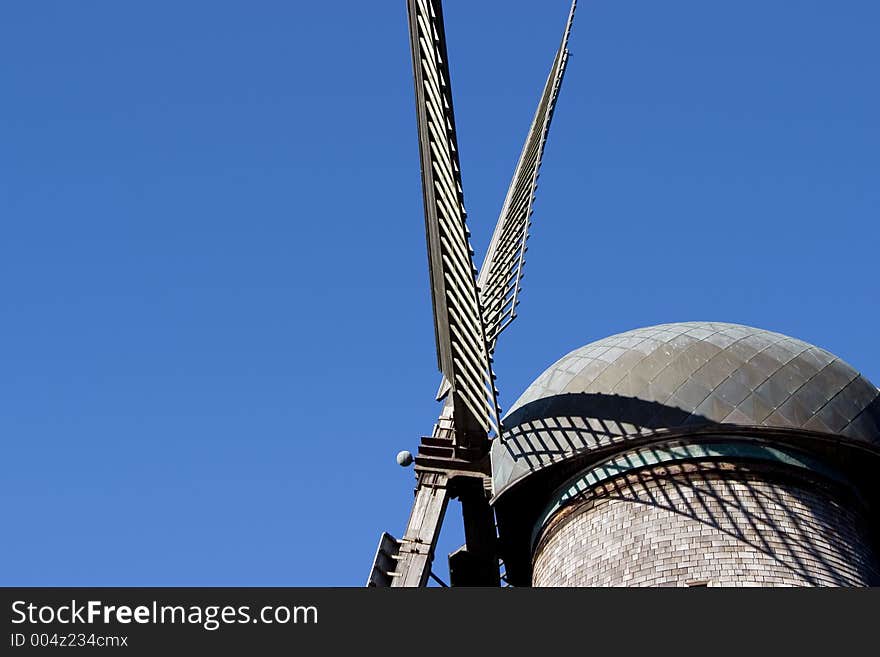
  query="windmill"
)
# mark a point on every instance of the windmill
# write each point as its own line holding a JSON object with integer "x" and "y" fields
{"x": 471, "y": 309}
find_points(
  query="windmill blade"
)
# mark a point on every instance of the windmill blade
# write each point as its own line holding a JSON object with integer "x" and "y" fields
{"x": 462, "y": 352}
{"x": 501, "y": 275}
{"x": 443, "y": 470}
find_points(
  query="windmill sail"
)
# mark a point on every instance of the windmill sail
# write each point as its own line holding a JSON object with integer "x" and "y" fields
{"x": 462, "y": 352}
{"x": 469, "y": 313}
{"x": 501, "y": 274}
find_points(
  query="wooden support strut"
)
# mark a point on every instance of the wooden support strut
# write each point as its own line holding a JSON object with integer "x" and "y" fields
{"x": 443, "y": 475}
{"x": 420, "y": 540}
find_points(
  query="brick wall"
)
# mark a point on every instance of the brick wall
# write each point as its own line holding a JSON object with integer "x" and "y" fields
{"x": 720, "y": 525}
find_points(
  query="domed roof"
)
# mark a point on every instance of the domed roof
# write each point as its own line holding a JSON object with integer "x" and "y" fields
{"x": 724, "y": 373}
{"x": 683, "y": 375}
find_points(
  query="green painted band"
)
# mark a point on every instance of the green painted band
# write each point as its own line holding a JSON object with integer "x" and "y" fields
{"x": 730, "y": 447}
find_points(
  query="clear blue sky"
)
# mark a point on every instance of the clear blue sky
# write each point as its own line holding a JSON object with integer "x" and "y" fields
{"x": 215, "y": 318}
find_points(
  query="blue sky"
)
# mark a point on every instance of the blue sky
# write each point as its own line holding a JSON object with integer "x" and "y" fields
{"x": 215, "y": 317}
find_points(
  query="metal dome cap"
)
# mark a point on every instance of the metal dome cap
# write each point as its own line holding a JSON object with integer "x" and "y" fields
{"x": 682, "y": 378}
